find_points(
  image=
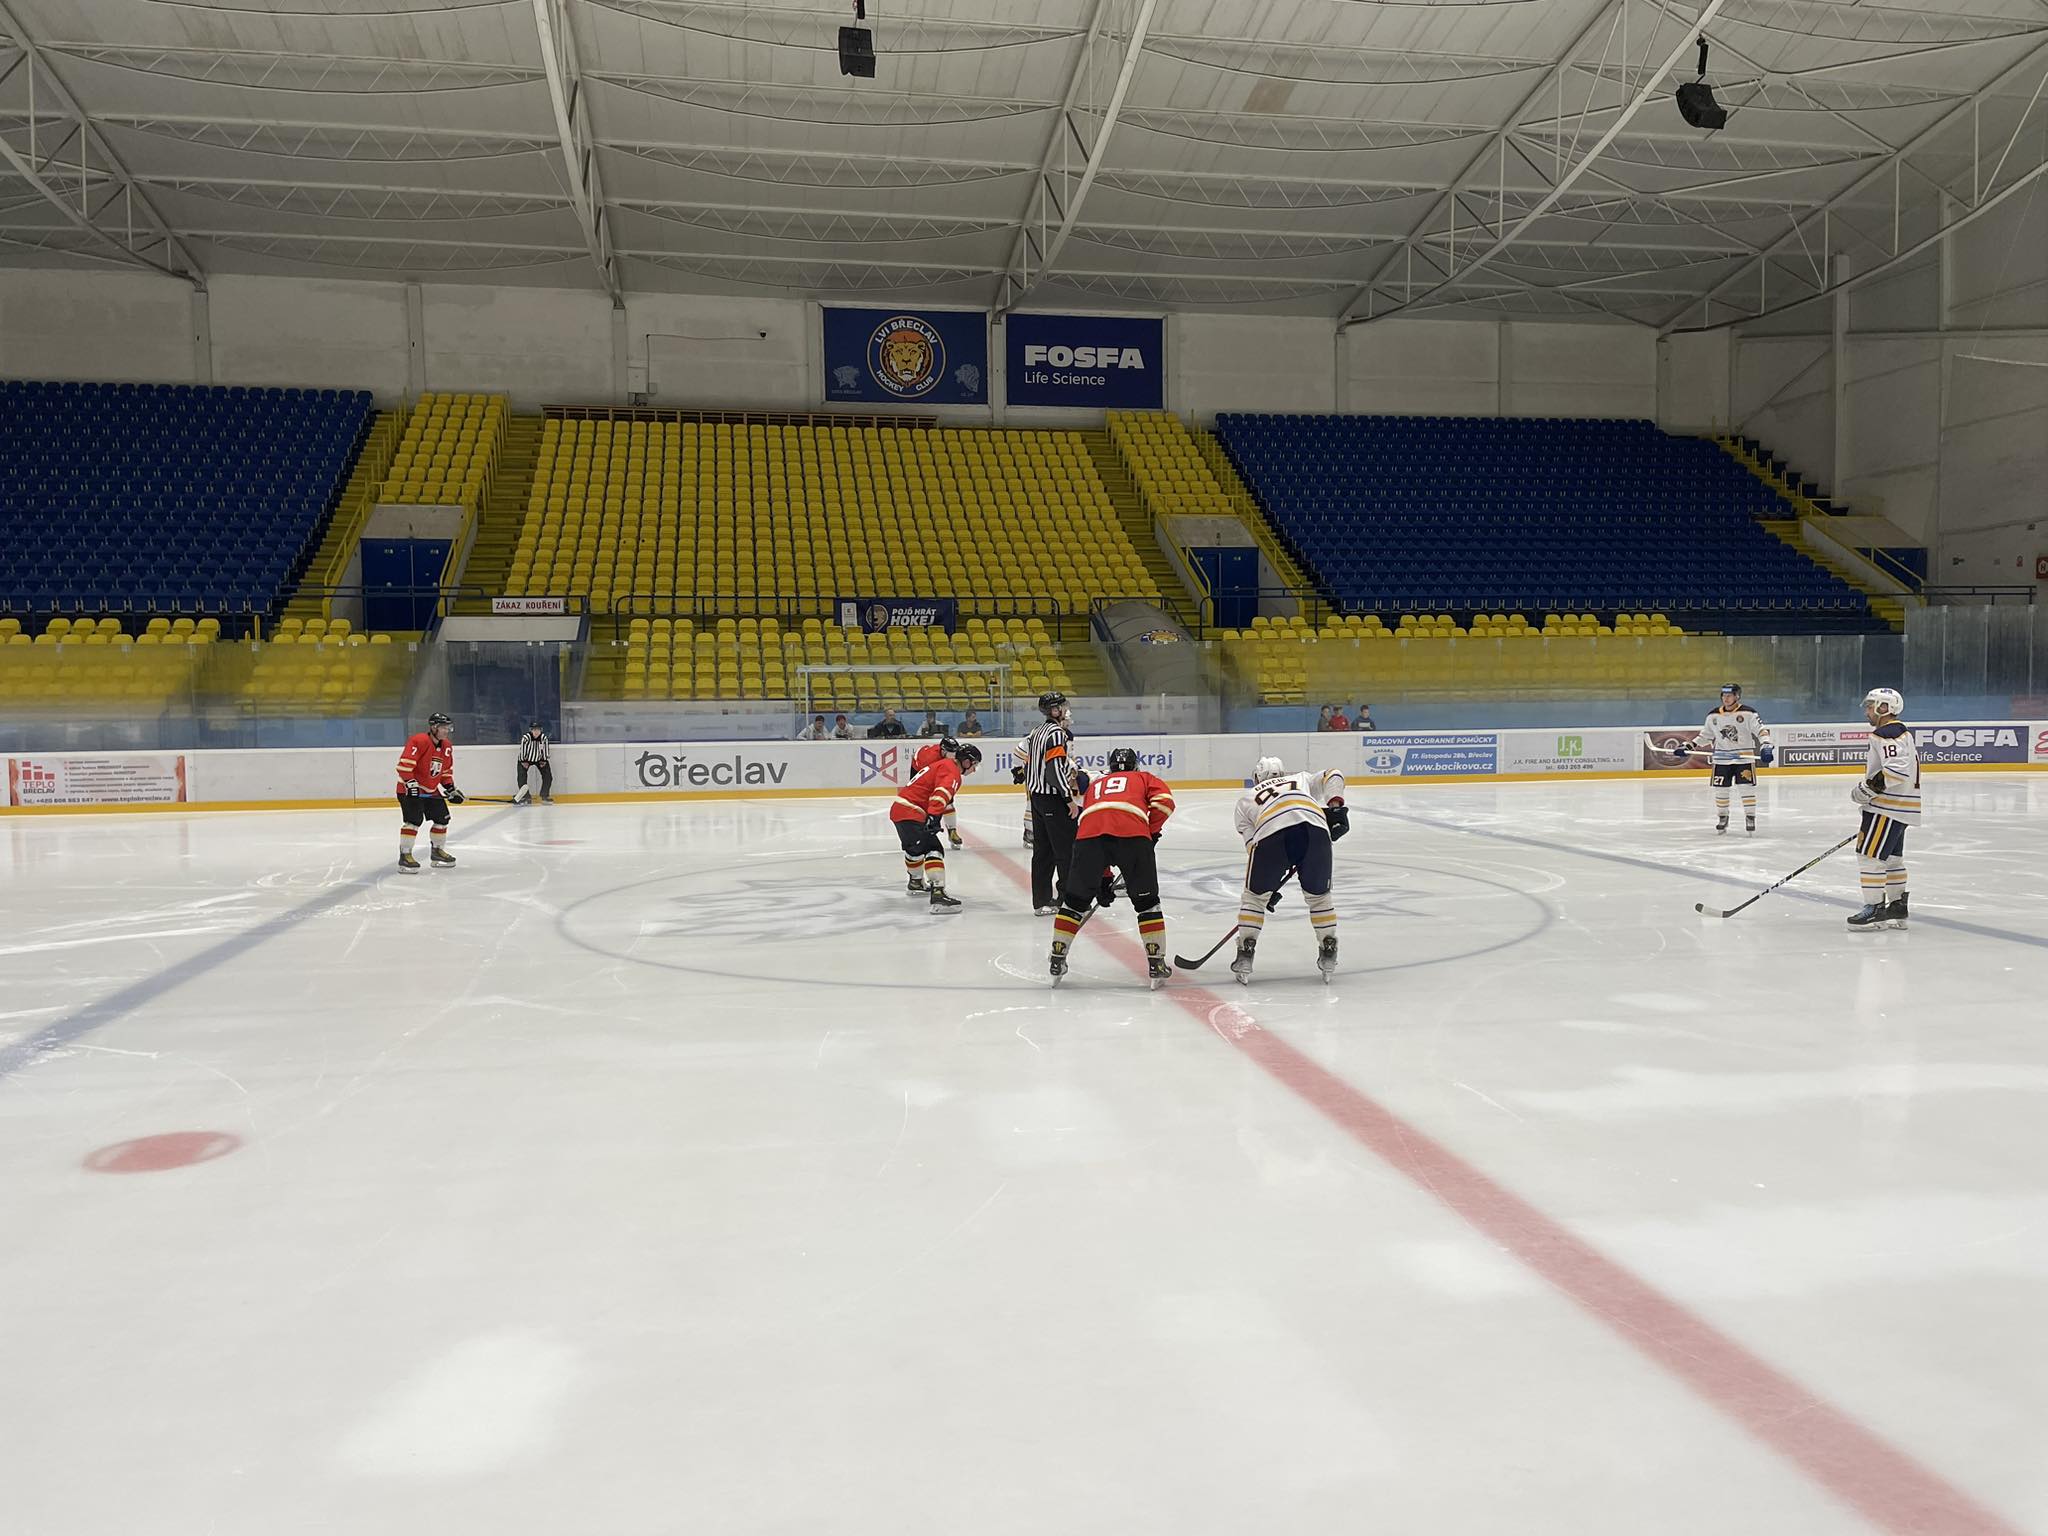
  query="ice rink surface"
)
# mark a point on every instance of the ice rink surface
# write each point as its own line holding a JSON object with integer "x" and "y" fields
{"x": 667, "y": 1169}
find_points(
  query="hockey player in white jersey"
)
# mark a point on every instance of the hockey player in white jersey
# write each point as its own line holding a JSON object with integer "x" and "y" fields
{"x": 1738, "y": 740}
{"x": 1889, "y": 794}
{"x": 1288, "y": 821}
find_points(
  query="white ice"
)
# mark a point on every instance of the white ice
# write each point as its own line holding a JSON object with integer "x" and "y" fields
{"x": 667, "y": 1169}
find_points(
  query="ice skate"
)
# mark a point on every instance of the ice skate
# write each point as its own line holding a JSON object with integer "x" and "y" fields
{"x": 1872, "y": 916}
{"x": 1722, "y": 824}
{"x": 1044, "y": 911}
{"x": 408, "y": 863}
{"x": 915, "y": 886}
{"x": 1157, "y": 972}
{"x": 956, "y": 839}
{"x": 1027, "y": 837}
{"x": 1749, "y": 825}
{"x": 524, "y": 796}
{"x": 547, "y": 799}
{"x": 442, "y": 858}
{"x": 1895, "y": 913}
{"x": 1326, "y": 957}
{"x": 943, "y": 904}
{"x": 1241, "y": 967}
{"x": 1058, "y": 963}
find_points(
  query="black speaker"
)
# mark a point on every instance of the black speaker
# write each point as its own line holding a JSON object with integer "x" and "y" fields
{"x": 857, "y": 52}
{"x": 1696, "y": 105}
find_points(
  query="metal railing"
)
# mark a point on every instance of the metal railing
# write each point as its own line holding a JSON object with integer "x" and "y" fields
{"x": 1993, "y": 597}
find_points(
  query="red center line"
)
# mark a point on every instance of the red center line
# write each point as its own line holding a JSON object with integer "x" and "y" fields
{"x": 1891, "y": 1489}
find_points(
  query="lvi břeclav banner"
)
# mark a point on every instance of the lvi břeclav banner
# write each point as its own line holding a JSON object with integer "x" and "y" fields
{"x": 906, "y": 357}
{"x": 1099, "y": 362}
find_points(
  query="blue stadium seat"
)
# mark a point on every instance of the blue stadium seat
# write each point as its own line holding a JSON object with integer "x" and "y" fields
{"x": 162, "y": 498}
{"x": 1435, "y": 514}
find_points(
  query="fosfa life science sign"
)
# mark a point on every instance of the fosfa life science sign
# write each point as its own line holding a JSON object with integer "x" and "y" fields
{"x": 906, "y": 357}
{"x": 1099, "y": 362}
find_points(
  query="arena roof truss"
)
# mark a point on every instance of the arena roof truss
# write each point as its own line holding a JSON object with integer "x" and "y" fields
{"x": 1353, "y": 158}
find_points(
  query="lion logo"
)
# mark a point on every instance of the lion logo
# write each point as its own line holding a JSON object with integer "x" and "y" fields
{"x": 906, "y": 356}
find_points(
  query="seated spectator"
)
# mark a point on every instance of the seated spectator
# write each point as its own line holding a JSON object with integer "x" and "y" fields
{"x": 970, "y": 725}
{"x": 887, "y": 728}
{"x": 842, "y": 728}
{"x": 1363, "y": 720}
{"x": 933, "y": 726}
{"x": 816, "y": 730}
{"x": 1323, "y": 720}
{"x": 1339, "y": 721}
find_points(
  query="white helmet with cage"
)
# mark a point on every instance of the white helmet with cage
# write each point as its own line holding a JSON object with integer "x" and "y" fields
{"x": 1268, "y": 768}
{"x": 1885, "y": 701}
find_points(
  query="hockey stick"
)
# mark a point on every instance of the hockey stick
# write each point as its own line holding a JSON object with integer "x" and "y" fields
{"x": 1195, "y": 965}
{"x": 1701, "y": 906}
{"x": 490, "y": 800}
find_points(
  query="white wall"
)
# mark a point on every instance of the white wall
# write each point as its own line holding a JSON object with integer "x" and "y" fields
{"x": 1418, "y": 367}
{"x": 1891, "y": 431}
{"x": 334, "y": 335}
{"x": 1782, "y": 392}
{"x": 1404, "y": 367}
{"x": 1250, "y": 363}
{"x": 95, "y": 325}
{"x": 538, "y": 345}
{"x": 1695, "y": 376}
{"x": 711, "y": 353}
{"x": 1578, "y": 370}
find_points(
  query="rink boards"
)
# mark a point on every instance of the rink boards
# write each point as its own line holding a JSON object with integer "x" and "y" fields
{"x": 299, "y": 778}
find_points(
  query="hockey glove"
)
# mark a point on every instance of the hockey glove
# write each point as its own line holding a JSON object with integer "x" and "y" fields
{"x": 934, "y": 823}
{"x": 1081, "y": 783}
{"x": 1107, "y": 895}
{"x": 1866, "y": 790}
{"x": 453, "y": 795}
{"x": 1017, "y": 774}
{"x": 1272, "y": 901}
{"x": 1767, "y": 754}
{"x": 1339, "y": 817}
{"x": 412, "y": 787}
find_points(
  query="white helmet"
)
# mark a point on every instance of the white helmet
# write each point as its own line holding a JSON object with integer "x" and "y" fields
{"x": 1885, "y": 701}
{"x": 1268, "y": 768}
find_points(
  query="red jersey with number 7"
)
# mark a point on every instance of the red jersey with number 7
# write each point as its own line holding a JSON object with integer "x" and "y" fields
{"x": 1125, "y": 805}
{"x": 428, "y": 763}
{"x": 929, "y": 794}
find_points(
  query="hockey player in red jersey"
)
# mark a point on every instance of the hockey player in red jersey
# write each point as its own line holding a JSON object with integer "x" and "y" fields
{"x": 919, "y": 811}
{"x": 426, "y": 788}
{"x": 1122, "y": 815}
{"x": 928, "y": 754}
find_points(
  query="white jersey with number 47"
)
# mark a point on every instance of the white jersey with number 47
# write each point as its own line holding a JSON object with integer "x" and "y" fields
{"x": 1295, "y": 800}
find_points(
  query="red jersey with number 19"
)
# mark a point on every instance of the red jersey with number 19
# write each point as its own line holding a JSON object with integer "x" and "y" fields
{"x": 1125, "y": 805}
{"x": 929, "y": 794}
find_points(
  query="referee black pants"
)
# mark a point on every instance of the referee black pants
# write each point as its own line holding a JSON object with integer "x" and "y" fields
{"x": 1052, "y": 846}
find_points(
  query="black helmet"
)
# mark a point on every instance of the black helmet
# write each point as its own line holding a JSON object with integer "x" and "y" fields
{"x": 1734, "y": 688}
{"x": 949, "y": 746}
{"x": 439, "y": 718}
{"x": 1123, "y": 760}
{"x": 1051, "y": 700}
{"x": 968, "y": 755}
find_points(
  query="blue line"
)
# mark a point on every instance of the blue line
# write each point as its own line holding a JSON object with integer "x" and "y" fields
{"x": 1981, "y": 930}
{"x": 107, "y": 1010}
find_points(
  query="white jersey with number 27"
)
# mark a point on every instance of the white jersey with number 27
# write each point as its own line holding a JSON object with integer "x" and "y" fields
{"x": 1295, "y": 800}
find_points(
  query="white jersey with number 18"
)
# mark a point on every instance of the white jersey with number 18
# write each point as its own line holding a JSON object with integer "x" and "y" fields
{"x": 1295, "y": 800}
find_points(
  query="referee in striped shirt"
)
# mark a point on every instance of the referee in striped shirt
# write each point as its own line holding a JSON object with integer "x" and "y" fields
{"x": 1049, "y": 781}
